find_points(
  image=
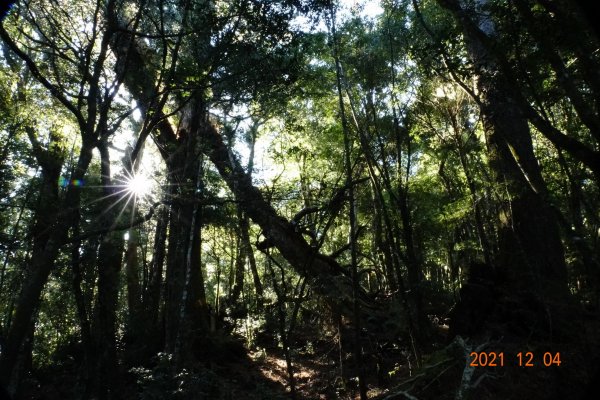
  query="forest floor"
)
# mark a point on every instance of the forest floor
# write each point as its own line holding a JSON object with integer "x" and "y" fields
{"x": 233, "y": 372}
{"x": 318, "y": 377}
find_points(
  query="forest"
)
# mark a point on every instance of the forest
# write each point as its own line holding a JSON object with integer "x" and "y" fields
{"x": 299, "y": 199}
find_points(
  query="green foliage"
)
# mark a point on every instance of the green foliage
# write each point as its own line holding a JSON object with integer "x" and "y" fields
{"x": 425, "y": 196}
{"x": 161, "y": 381}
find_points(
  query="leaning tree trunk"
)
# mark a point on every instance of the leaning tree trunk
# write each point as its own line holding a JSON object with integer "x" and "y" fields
{"x": 327, "y": 277}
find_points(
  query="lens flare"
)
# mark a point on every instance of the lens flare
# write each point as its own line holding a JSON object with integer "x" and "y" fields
{"x": 139, "y": 185}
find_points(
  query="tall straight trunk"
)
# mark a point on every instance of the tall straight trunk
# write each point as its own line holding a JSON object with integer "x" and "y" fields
{"x": 239, "y": 264}
{"x": 351, "y": 216}
{"x": 531, "y": 255}
{"x": 245, "y": 225}
{"x": 182, "y": 227}
{"x": 186, "y": 310}
{"x": 132, "y": 273}
{"x": 153, "y": 293}
{"x": 110, "y": 256}
{"x": 82, "y": 310}
{"x": 245, "y": 231}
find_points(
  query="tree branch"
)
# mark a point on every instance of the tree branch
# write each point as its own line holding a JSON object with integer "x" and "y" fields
{"x": 40, "y": 77}
{"x": 136, "y": 222}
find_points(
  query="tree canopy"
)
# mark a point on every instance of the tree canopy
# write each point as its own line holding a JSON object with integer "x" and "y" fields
{"x": 206, "y": 199}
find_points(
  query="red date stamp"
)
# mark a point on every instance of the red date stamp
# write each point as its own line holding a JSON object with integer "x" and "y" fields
{"x": 521, "y": 359}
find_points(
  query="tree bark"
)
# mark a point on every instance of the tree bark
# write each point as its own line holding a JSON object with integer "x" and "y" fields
{"x": 531, "y": 258}
{"x": 186, "y": 310}
{"x": 325, "y": 275}
{"x": 153, "y": 293}
{"x": 110, "y": 256}
{"x": 43, "y": 258}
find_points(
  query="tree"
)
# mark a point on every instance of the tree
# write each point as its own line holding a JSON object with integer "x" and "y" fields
{"x": 331, "y": 190}
{"x": 83, "y": 86}
{"x": 530, "y": 245}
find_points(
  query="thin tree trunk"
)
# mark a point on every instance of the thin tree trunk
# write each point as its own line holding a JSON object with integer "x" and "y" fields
{"x": 153, "y": 293}
{"x": 240, "y": 262}
{"x": 358, "y": 354}
{"x": 82, "y": 311}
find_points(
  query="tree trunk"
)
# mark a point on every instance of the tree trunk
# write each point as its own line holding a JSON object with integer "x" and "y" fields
{"x": 186, "y": 310}
{"x": 531, "y": 259}
{"x": 89, "y": 360}
{"x": 153, "y": 292}
{"x": 135, "y": 325}
{"x": 245, "y": 231}
{"x": 110, "y": 256}
{"x": 45, "y": 252}
{"x": 240, "y": 263}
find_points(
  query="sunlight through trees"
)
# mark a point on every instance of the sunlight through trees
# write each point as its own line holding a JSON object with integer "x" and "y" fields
{"x": 305, "y": 199}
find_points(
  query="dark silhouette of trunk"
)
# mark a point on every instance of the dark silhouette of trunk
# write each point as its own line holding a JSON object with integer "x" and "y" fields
{"x": 110, "y": 257}
{"x": 531, "y": 260}
{"x": 186, "y": 310}
{"x": 89, "y": 360}
{"x": 240, "y": 262}
{"x": 132, "y": 272}
{"x": 153, "y": 293}
{"x": 51, "y": 229}
{"x": 245, "y": 231}
{"x": 140, "y": 337}
{"x": 326, "y": 276}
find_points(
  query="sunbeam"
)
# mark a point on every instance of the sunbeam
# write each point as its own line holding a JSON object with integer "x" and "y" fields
{"x": 138, "y": 185}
